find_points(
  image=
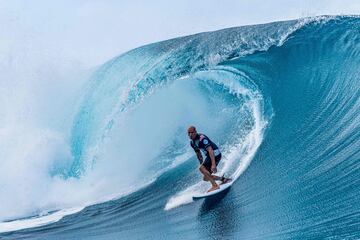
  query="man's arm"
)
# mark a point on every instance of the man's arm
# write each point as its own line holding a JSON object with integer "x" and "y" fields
{"x": 199, "y": 156}
{"x": 197, "y": 151}
{"x": 212, "y": 158}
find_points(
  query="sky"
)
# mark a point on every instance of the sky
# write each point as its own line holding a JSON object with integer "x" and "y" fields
{"x": 90, "y": 32}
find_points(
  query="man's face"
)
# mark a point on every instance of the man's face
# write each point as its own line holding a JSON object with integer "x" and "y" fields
{"x": 192, "y": 133}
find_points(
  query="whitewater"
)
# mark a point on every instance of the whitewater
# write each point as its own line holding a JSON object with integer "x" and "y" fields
{"x": 113, "y": 161}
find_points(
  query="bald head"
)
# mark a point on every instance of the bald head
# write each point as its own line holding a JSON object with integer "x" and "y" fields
{"x": 192, "y": 132}
{"x": 191, "y": 128}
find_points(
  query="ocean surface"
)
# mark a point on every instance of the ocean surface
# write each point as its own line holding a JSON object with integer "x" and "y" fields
{"x": 281, "y": 100}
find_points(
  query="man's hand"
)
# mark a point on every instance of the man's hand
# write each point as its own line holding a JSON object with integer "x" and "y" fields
{"x": 213, "y": 169}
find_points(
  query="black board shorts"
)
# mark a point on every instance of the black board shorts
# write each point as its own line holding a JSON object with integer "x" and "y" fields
{"x": 207, "y": 162}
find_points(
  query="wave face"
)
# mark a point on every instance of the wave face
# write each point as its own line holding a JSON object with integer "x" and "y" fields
{"x": 284, "y": 96}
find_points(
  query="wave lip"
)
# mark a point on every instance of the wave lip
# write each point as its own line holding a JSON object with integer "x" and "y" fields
{"x": 128, "y": 79}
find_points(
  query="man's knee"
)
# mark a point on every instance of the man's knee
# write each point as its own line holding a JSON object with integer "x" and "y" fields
{"x": 203, "y": 169}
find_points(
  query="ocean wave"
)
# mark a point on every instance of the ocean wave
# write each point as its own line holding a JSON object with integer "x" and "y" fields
{"x": 283, "y": 96}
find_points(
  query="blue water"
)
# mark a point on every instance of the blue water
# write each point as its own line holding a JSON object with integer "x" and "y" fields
{"x": 282, "y": 100}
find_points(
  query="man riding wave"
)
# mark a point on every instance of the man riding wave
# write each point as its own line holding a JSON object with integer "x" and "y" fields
{"x": 201, "y": 143}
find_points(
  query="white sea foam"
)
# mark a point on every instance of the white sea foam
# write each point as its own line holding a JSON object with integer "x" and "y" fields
{"x": 37, "y": 221}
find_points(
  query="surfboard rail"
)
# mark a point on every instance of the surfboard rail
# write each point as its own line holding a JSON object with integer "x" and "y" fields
{"x": 222, "y": 188}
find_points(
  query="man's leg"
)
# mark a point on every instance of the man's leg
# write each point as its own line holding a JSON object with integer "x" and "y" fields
{"x": 207, "y": 166}
{"x": 208, "y": 177}
{"x": 217, "y": 178}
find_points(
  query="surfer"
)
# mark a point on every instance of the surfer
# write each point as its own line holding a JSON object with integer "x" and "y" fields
{"x": 201, "y": 143}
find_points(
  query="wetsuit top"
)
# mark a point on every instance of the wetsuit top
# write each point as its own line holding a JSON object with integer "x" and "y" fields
{"x": 202, "y": 142}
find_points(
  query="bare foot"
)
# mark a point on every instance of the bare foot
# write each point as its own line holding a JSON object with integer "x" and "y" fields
{"x": 213, "y": 188}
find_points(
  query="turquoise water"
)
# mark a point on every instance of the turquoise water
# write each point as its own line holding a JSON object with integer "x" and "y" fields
{"x": 282, "y": 100}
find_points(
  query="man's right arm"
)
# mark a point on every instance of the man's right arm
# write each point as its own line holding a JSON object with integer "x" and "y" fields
{"x": 199, "y": 156}
{"x": 198, "y": 153}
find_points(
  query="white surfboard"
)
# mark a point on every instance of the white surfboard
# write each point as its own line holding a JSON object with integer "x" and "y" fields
{"x": 223, "y": 187}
